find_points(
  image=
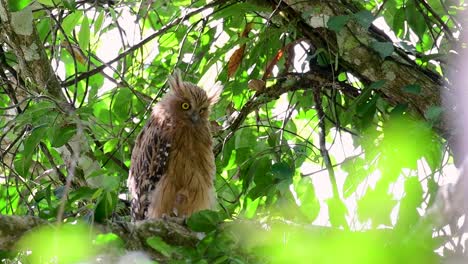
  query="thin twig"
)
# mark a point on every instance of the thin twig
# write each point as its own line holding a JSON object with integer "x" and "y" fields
{"x": 323, "y": 146}
{"x": 130, "y": 50}
{"x": 71, "y": 174}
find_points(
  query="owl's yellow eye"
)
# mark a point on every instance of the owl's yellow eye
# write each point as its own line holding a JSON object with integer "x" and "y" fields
{"x": 185, "y": 106}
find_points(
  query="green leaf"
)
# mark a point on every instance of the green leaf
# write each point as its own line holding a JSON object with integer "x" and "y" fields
{"x": 159, "y": 245}
{"x": 98, "y": 22}
{"x": 59, "y": 135}
{"x": 122, "y": 104}
{"x": 415, "y": 19}
{"x": 109, "y": 239}
{"x": 50, "y": 3}
{"x": 69, "y": 23}
{"x": 204, "y": 221}
{"x": 337, "y": 23}
{"x": 399, "y": 21}
{"x": 384, "y": 49}
{"x": 408, "y": 215}
{"x": 376, "y": 205}
{"x": 110, "y": 145}
{"x": 310, "y": 206}
{"x": 22, "y": 163}
{"x": 70, "y": 4}
{"x": 364, "y": 18}
{"x": 377, "y": 84}
{"x": 23, "y": 159}
{"x": 337, "y": 212}
{"x": 342, "y": 77}
{"x": 84, "y": 35}
{"x": 245, "y": 138}
{"x": 412, "y": 89}
{"x": 105, "y": 206}
{"x": 282, "y": 171}
{"x": 17, "y": 5}
{"x": 355, "y": 167}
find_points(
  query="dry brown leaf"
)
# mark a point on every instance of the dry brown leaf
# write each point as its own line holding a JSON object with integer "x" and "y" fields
{"x": 215, "y": 127}
{"x": 76, "y": 52}
{"x": 235, "y": 61}
{"x": 246, "y": 30}
{"x": 257, "y": 85}
{"x": 238, "y": 55}
{"x": 272, "y": 63}
{"x": 290, "y": 54}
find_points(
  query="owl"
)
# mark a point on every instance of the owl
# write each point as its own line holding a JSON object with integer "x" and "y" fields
{"x": 172, "y": 165}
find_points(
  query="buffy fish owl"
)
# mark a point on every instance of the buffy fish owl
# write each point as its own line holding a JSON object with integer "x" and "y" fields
{"x": 172, "y": 165}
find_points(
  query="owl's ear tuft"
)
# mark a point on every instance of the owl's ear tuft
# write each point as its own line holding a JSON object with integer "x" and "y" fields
{"x": 175, "y": 82}
{"x": 214, "y": 93}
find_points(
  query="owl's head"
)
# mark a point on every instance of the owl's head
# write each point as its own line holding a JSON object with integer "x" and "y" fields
{"x": 189, "y": 102}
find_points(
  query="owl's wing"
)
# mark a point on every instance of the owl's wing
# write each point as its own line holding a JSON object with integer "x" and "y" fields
{"x": 149, "y": 162}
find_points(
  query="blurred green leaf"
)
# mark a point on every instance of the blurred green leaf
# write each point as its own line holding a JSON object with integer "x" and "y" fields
{"x": 337, "y": 212}
{"x": 109, "y": 239}
{"x": 355, "y": 167}
{"x": 408, "y": 215}
{"x": 310, "y": 206}
{"x": 68, "y": 243}
{"x": 159, "y": 245}
{"x": 204, "y": 221}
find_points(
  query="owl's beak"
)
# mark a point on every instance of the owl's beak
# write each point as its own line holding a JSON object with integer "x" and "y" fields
{"x": 195, "y": 117}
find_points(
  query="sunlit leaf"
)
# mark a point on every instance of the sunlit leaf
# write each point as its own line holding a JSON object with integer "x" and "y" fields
{"x": 98, "y": 22}
{"x": 110, "y": 145}
{"x": 84, "y": 34}
{"x": 17, "y": 5}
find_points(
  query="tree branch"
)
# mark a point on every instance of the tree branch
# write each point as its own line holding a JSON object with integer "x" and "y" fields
{"x": 295, "y": 82}
{"x": 163, "y": 30}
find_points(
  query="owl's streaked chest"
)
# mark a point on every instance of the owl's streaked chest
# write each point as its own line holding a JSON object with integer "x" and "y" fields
{"x": 191, "y": 157}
